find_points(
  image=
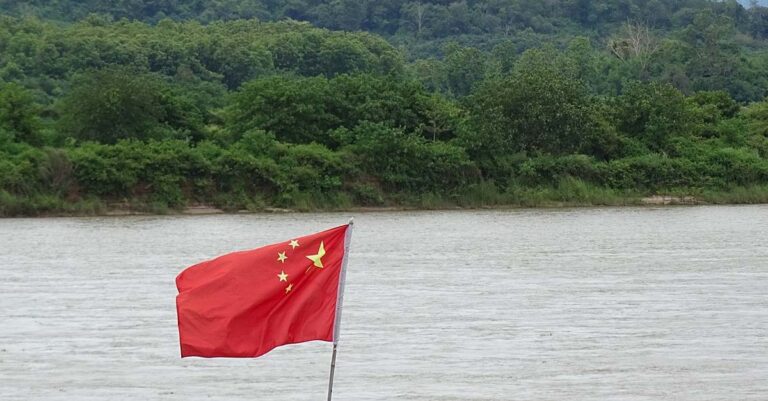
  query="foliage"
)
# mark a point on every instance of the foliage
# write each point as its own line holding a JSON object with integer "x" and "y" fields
{"x": 652, "y": 113}
{"x": 318, "y": 109}
{"x": 19, "y": 115}
{"x": 539, "y": 108}
{"x": 111, "y": 104}
{"x": 402, "y": 161}
{"x": 159, "y": 105}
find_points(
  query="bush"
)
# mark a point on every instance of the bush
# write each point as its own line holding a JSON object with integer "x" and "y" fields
{"x": 311, "y": 168}
{"x": 19, "y": 171}
{"x": 549, "y": 170}
{"x": 652, "y": 172}
{"x": 409, "y": 162}
{"x": 653, "y": 113}
{"x": 365, "y": 194}
{"x": 736, "y": 167}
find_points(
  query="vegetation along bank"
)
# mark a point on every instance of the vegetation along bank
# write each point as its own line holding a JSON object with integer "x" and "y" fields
{"x": 334, "y": 105}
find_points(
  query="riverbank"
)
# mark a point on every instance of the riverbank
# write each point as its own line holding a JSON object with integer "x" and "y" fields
{"x": 570, "y": 194}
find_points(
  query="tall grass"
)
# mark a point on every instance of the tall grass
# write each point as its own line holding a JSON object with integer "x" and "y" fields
{"x": 47, "y": 205}
{"x": 568, "y": 192}
{"x": 737, "y": 195}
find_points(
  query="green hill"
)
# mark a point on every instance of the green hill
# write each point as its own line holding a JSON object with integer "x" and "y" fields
{"x": 159, "y": 105}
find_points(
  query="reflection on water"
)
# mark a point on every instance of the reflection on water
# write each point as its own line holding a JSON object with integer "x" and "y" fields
{"x": 585, "y": 304}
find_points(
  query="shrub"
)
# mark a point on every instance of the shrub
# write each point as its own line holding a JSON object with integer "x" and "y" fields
{"x": 408, "y": 162}
{"x": 549, "y": 170}
{"x": 651, "y": 172}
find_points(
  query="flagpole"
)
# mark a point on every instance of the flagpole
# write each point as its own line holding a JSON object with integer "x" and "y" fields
{"x": 339, "y": 303}
{"x": 333, "y": 368}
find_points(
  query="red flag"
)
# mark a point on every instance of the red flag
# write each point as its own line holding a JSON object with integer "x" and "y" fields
{"x": 244, "y": 304}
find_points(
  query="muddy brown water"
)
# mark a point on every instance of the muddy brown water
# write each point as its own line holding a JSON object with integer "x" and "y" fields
{"x": 572, "y": 304}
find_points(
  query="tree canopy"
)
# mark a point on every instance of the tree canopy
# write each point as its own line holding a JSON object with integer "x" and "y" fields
{"x": 249, "y": 104}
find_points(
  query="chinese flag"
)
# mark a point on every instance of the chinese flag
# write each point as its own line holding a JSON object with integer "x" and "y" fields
{"x": 244, "y": 304}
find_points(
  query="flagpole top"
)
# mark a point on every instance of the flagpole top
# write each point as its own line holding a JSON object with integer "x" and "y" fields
{"x": 351, "y": 221}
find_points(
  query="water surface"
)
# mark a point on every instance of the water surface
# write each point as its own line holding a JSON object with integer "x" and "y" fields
{"x": 581, "y": 304}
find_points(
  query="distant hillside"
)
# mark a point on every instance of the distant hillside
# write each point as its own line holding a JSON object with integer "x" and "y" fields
{"x": 423, "y": 27}
{"x": 428, "y": 18}
{"x": 694, "y": 44}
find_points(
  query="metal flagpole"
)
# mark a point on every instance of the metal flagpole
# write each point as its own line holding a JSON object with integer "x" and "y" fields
{"x": 339, "y": 303}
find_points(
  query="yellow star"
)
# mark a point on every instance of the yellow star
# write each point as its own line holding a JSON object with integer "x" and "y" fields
{"x": 316, "y": 258}
{"x": 294, "y": 244}
{"x": 289, "y": 288}
{"x": 281, "y": 257}
{"x": 283, "y": 276}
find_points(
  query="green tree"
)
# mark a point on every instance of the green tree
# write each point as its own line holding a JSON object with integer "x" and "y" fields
{"x": 304, "y": 110}
{"x": 118, "y": 103}
{"x": 653, "y": 113}
{"x": 19, "y": 114}
{"x": 402, "y": 161}
{"x": 540, "y": 107}
{"x": 394, "y": 102}
{"x": 757, "y": 115}
{"x": 294, "y": 109}
{"x": 465, "y": 66}
{"x": 716, "y": 105}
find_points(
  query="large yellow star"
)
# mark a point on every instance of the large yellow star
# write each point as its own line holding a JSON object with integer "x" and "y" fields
{"x": 281, "y": 257}
{"x": 294, "y": 243}
{"x": 283, "y": 276}
{"x": 318, "y": 262}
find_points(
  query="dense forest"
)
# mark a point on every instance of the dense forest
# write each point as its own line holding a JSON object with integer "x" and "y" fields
{"x": 306, "y": 104}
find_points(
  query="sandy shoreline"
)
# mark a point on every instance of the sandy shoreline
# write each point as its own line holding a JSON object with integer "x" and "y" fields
{"x": 203, "y": 210}
{"x": 656, "y": 200}
{"x": 124, "y": 209}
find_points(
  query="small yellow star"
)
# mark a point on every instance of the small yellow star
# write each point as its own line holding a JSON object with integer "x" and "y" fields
{"x": 283, "y": 276}
{"x": 289, "y": 288}
{"x": 281, "y": 257}
{"x": 318, "y": 262}
{"x": 294, "y": 244}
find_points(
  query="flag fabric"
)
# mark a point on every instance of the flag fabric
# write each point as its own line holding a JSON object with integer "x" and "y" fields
{"x": 244, "y": 304}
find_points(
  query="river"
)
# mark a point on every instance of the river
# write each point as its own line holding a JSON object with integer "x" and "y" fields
{"x": 563, "y": 304}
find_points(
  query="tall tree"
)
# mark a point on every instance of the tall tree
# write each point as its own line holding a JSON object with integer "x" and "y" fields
{"x": 19, "y": 114}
